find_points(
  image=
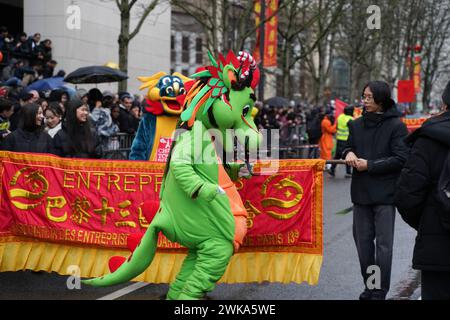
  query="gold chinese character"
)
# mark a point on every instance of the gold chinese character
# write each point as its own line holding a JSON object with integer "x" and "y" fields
{"x": 125, "y": 213}
{"x": 55, "y": 203}
{"x": 79, "y": 208}
{"x": 104, "y": 210}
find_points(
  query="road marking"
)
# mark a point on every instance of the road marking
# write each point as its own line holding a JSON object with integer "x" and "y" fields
{"x": 124, "y": 291}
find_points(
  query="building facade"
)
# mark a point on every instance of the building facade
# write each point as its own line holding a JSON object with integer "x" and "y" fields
{"x": 85, "y": 32}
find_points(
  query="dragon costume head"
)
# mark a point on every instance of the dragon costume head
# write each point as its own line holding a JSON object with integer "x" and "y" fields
{"x": 223, "y": 98}
{"x": 166, "y": 93}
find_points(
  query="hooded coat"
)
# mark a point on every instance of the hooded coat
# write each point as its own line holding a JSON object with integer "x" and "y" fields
{"x": 379, "y": 139}
{"x": 416, "y": 190}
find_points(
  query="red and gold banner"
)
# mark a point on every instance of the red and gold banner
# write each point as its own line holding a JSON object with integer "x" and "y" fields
{"x": 85, "y": 202}
{"x": 417, "y": 74}
{"x": 406, "y": 91}
{"x": 413, "y": 123}
{"x": 270, "y": 35}
{"x": 98, "y": 204}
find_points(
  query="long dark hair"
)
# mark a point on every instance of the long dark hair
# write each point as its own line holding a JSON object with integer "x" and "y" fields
{"x": 28, "y": 115}
{"x": 79, "y": 134}
{"x": 381, "y": 94}
{"x": 56, "y": 109}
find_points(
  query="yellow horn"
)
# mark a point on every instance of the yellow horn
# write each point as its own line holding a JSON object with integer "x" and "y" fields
{"x": 182, "y": 77}
{"x": 156, "y": 76}
{"x": 148, "y": 84}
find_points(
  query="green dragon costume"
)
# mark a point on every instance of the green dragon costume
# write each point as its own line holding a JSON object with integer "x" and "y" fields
{"x": 200, "y": 207}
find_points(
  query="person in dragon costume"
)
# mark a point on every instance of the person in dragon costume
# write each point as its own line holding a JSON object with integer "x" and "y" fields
{"x": 200, "y": 207}
{"x": 162, "y": 110}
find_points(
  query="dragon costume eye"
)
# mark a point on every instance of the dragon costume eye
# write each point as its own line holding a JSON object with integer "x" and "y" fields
{"x": 166, "y": 81}
{"x": 169, "y": 90}
{"x": 246, "y": 110}
{"x": 182, "y": 91}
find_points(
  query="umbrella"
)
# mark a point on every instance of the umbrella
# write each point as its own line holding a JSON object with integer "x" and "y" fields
{"x": 277, "y": 102}
{"x": 95, "y": 74}
{"x": 47, "y": 84}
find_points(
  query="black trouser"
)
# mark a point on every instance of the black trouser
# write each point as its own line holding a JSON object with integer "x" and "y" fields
{"x": 374, "y": 223}
{"x": 435, "y": 285}
{"x": 340, "y": 147}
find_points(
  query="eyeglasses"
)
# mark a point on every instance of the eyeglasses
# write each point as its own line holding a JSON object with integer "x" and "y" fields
{"x": 368, "y": 98}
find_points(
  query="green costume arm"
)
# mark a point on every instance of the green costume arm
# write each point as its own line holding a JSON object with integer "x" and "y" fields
{"x": 181, "y": 166}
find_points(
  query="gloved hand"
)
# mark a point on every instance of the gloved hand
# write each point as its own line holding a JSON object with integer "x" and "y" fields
{"x": 244, "y": 172}
{"x": 209, "y": 191}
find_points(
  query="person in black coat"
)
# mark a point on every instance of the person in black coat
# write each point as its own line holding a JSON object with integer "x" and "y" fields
{"x": 77, "y": 138}
{"x": 418, "y": 206}
{"x": 22, "y": 49}
{"x": 30, "y": 136}
{"x": 376, "y": 149}
{"x": 125, "y": 119}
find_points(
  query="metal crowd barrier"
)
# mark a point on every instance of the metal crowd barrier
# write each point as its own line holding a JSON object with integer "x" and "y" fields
{"x": 118, "y": 147}
{"x": 309, "y": 151}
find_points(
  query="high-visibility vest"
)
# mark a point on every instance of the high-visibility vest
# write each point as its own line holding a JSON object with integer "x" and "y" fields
{"x": 342, "y": 127}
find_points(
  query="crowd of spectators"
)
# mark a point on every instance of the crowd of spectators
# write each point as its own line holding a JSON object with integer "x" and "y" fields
{"x": 61, "y": 121}
{"x": 84, "y": 125}
{"x": 25, "y": 59}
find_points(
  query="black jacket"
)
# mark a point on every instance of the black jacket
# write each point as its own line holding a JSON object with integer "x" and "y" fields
{"x": 416, "y": 189}
{"x": 380, "y": 140}
{"x": 125, "y": 122}
{"x": 65, "y": 148}
{"x": 25, "y": 141}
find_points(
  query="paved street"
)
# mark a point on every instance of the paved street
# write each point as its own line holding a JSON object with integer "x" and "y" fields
{"x": 340, "y": 277}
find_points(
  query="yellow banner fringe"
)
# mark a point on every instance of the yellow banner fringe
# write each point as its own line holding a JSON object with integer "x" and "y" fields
{"x": 93, "y": 262}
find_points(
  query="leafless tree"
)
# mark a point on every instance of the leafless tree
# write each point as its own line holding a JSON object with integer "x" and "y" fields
{"x": 228, "y": 24}
{"x": 143, "y": 8}
{"x": 317, "y": 43}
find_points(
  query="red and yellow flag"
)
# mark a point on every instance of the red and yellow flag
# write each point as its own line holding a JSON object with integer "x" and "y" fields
{"x": 270, "y": 35}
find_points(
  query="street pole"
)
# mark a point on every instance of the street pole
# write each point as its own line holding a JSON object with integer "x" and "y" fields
{"x": 262, "y": 34}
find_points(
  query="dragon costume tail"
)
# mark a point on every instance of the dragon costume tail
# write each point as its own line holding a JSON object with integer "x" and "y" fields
{"x": 136, "y": 264}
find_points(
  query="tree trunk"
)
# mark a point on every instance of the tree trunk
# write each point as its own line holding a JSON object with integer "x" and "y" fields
{"x": 123, "y": 63}
{"x": 124, "y": 41}
{"x": 286, "y": 72}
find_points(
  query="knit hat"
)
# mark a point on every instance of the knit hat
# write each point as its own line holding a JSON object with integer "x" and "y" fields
{"x": 81, "y": 93}
{"x": 446, "y": 95}
{"x": 75, "y": 103}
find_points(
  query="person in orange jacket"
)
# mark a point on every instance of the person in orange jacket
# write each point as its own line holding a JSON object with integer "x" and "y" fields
{"x": 326, "y": 141}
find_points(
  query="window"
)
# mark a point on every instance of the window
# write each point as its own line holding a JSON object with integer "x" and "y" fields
{"x": 199, "y": 51}
{"x": 185, "y": 49}
{"x": 173, "y": 53}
